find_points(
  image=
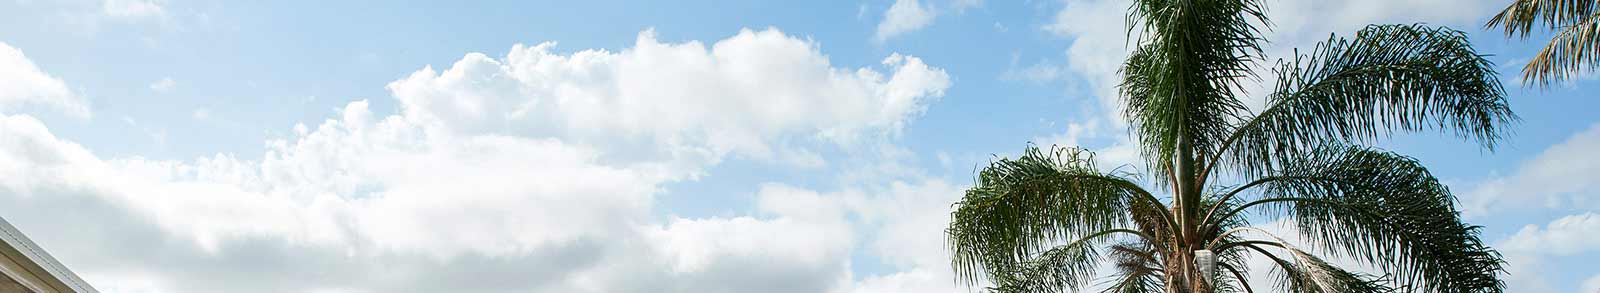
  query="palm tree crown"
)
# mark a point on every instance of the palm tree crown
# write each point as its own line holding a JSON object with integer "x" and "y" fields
{"x": 1045, "y": 221}
{"x": 1575, "y": 46}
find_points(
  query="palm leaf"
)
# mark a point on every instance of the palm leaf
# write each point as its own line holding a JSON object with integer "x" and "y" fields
{"x": 1519, "y": 18}
{"x": 1021, "y": 207}
{"x": 1181, "y": 83}
{"x": 1306, "y": 273}
{"x": 1575, "y": 47}
{"x": 1389, "y": 78}
{"x": 1059, "y": 269}
{"x": 1382, "y": 209}
{"x": 1139, "y": 269}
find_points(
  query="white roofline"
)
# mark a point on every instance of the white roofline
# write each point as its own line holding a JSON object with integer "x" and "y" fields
{"x": 15, "y": 240}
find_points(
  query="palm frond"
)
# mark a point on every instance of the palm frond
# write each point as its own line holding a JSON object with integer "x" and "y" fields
{"x": 1181, "y": 84}
{"x": 1303, "y": 271}
{"x": 1572, "y": 49}
{"x": 1519, "y": 18}
{"x": 1237, "y": 259}
{"x": 1237, "y": 275}
{"x": 1386, "y": 210}
{"x": 1306, "y": 273}
{"x": 1575, "y": 48}
{"x": 1139, "y": 269}
{"x": 1388, "y": 78}
{"x": 1059, "y": 269}
{"x": 1153, "y": 219}
{"x": 1021, "y": 207}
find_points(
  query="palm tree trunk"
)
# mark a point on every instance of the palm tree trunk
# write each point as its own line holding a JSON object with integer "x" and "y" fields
{"x": 1187, "y": 277}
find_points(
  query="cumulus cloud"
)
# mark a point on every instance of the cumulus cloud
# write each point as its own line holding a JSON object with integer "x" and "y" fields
{"x": 26, "y": 85}
{"x": 361, "y": 188}
{"x": 803, "y": 230}
{"x": 899, "y": 224}
{"x": 536, "y": 171}
{"x": 902, "y": 17}
{"x": 1533, "y": 249}
{"x": 905, "y": 16}
{"x": 1562, "y": 176}
{"x": 1098, "y": 33}
{"x": 1565, "y": 236}
{"x": 738, "y": 95}
{"x": 909, "y": 220}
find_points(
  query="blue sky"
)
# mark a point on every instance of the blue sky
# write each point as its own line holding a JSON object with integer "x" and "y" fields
{"x": 607, "y": 146}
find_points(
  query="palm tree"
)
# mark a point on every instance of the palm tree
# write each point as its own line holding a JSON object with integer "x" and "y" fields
{"x": 1575, "y": 46}
{"x": 1048, "y": 220}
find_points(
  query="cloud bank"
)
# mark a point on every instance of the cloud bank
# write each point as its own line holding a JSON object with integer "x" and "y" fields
{"x": 537, "y": 171}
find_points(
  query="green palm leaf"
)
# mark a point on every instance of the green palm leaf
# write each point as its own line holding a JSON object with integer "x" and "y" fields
{"x": 1574, "y": 48}
{"x": 1022, "y": 207}
{"x": 1059, "y": 269}
{"x": 1139, "y": 269}
{"x": 1181, "y": 83}
{"x": 1383, "y": 209}
{"x": 1306, "y": 273}
{"x": 1389, "y": 78}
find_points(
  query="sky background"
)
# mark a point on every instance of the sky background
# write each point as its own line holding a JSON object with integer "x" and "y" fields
{"x": 606, "y": 146}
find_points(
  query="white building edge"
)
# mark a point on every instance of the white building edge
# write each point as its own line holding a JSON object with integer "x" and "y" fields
{"x": 27, "y": 268}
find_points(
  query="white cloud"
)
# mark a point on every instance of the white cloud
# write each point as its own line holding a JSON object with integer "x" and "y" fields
{"x": 1313, "y": 20}
{"x": 535, "y": 170}
{"x": 1568, "y": 235}
{"x": 902, "y": 224}
{"x": 1592, "y": 284}
{"x": 164, "y": 85}
{"x": 1562, "y": 176}
{"x": 1532, "y": 250}
{"x": 738, "y": 95}
{"x": 905, "y": 16}
{"x": 1099, "y": 44}
{"x": 912, "y": 218}
{"x": 26, "y": 85}
{"x": 1097, "y": 30}
{"x": 806, "y": 230}
{"x": 1526, "y": 273}
{"x": 133, "y": 8}
{"x": 354, "y": 182}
